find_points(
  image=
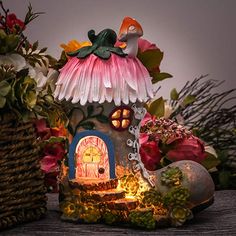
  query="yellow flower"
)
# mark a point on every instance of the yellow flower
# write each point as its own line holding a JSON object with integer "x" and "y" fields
{"x": 74, "y": 45}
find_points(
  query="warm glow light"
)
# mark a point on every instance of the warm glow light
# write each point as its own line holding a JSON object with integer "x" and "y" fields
{"x": 91, "y": 154}
{"x": 126, "y": 113}
{"x": 92, "y": 160}
{"x": 125, "y": 123}
{"x": 116, "y": 114}
{"x": 116, "y": 123}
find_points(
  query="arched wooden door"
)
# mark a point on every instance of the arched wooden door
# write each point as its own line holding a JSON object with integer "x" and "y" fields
{"x": 91, "y": 156}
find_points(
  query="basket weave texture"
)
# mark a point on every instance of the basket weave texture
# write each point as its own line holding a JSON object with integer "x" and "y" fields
{"x": 22, "y": 191}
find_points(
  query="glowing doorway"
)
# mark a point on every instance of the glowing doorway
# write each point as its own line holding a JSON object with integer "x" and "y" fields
{"x": 92, "y": 160}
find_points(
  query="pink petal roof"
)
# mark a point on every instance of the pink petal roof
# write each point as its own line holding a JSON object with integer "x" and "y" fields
{"x": 118, "y": 79}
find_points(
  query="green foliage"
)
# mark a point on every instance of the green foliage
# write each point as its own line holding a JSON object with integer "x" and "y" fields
{"x": 159, "y": 76}
{"x": 110, "y": 217}
{"x": 157, "y": 107}
{"x": 102, "y": 45}
{"x": 151, "y": 58}
{"x": 33, "y": 54}
{"x": 179, "y": 215}
{"x": 211, "y": 115}
{"x": 152, "y": 198}
{"x": 142, "y": 219}
{"x": 189, "y": 99}
{"x": 210, "y": 161}
{"x": 174, "y": 94}
{"x": 18, "y": 88}
{"x": 176, "y": 196}
{"x": 4, "y": 90}
{"x": 8, "y": 42}
{"x": 86, "y": 121}
{"x": 171, "y": 176}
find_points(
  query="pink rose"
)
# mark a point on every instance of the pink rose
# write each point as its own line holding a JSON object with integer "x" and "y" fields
{"x": 150, "y": 155}
{"x": 187, "y": 149}
{"x": 13, "y": 22}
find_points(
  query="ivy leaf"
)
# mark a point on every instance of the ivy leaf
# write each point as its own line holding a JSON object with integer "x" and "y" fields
{"x": 188, "y": 100}
{"x": 174, "y": 94}
{"x": 89, "y": 125}
{"x": 102, "y": 118}
{"x": 159, "y": 76}
{"x": 157, "y": 107}
{"x": 90, "y": 110}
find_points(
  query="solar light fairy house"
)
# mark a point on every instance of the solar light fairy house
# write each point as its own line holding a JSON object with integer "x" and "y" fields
{"x": 103, "y": 88}
{"x": 106, "y": 87}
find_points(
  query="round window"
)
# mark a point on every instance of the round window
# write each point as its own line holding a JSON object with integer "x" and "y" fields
{"x": 121, "y": 117}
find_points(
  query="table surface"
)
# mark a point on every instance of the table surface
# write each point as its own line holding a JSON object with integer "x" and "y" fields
{"x": 218, "y": 219}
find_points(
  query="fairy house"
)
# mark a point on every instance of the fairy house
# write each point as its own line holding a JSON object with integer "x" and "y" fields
{"x": 104, "y": 87}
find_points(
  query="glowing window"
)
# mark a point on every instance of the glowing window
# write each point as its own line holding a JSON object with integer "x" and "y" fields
{"x": 91, "y": 155}
{"x": 120, "y": 118}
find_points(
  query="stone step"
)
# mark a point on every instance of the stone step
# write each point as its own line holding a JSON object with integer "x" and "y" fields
{"x": 124, "y": 204}
{"x": 100, "y": 196}
{"x": 93, "y": 184}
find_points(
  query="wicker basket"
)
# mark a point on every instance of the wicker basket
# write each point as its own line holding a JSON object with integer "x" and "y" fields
{"x": 22, "y": 191}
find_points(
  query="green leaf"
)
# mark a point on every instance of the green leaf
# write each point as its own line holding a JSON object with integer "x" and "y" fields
{"x": 2, "y": 34}
{"x": 30, "y": 99}
{"x": 188, "y": 100}
{"x": 89, "y": 125}
{"x": 102, "y": 118}
{"x": 2, "y": 101}
{"x": 35, "y": 45}
{"x": 90, "y": 110}
{"x": 102, "y": 52}
{"x": 27, "y": 45}
{"x": 4, "y": 88}
{"x": 174, "y": 94}
{"x": 49, "y": 98}
{"x": 43, "y": 50}
{"x": 151, "y": 58}
{"x": 159, "y": 76}
{"x": 210, "y": 161}
{"x": 157, "y": 107}
{"x": 54, "y": 139}
{"x": 12, "y": 41}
